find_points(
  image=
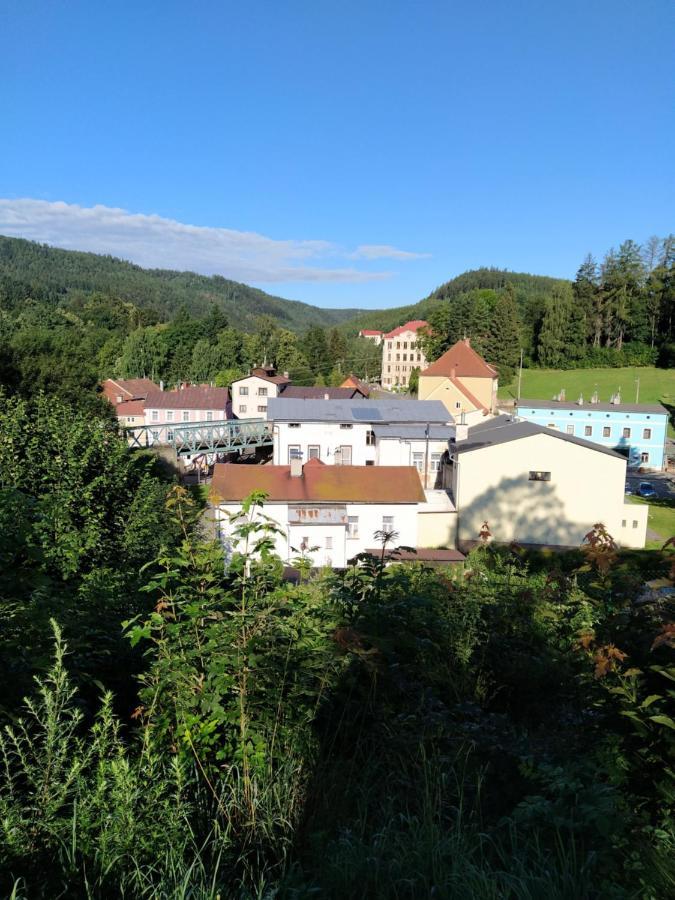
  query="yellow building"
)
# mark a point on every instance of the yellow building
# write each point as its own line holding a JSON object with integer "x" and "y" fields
{"x": 462, "y": 381}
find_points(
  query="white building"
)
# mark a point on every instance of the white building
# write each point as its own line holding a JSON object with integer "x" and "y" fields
{"x": 330, "y": 513}
{"x": 250, "y": 394}
{"x": 534, "y": 485}
{"x": 401, "y": 354}
{"x": 397, "y": 432}
{"x": 371, "y": 334}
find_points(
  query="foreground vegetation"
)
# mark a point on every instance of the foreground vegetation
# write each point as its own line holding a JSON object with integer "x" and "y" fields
{"x": 502, "y": 729}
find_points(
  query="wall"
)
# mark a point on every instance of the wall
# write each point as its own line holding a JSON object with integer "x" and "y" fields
{"x": 437, "y": 387}
{"x": 179, "y": 416}
{"x": 399, "y": 452}
{"x": 325, "y": 435}
{"x": 253, "y": 399}
{"x": 397, "y": 371}
{"x": 616, "y": 420}
{"x": 586, "y": 487}
{"x": 370, "y": 520}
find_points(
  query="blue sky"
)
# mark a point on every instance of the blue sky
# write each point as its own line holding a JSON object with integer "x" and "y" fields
{"x": 345, "y": 154}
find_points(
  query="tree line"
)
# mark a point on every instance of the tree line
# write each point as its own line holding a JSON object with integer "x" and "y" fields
{"x": 617, "y": 312}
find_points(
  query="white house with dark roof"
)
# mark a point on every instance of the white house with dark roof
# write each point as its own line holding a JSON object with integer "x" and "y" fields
{"x": 536, "y": 485}
{"x": 398, "y": 432}
{"x": 251, "y": 394}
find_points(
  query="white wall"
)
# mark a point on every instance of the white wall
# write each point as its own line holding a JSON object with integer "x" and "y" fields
{"x": 400, "y": 452}
{"x": 327, "y": 436}
{"x": 254, "y": 384}
{"x": 178, "y": 414}
{"x": 586, "y": 486}
{"x": 370, "y": 516}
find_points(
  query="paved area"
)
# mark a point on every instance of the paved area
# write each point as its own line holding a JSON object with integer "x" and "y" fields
{"x": 662, "y": 484}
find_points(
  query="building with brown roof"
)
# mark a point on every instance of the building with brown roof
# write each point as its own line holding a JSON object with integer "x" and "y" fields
{"x": 128, "y": 396}
{"x": 462, "y": 380}
{"x": 401, "y": 353}
{"x": 194, "y": 403}
{"x": 329, "y": 513}
{"x": 251, "y": 393}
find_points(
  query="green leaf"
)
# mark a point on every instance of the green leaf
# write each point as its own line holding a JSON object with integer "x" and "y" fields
{"x": 663, "y": 720}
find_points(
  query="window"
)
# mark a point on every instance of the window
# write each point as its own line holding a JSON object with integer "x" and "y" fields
{"x": 405, "y": 345}
{"x": 418, "y": 461}
{"x": 262, "y": 392}
{"x": 623, "y": 523}
{"x": 242, "y": 407}
{"x": 329, "y": 543}
{"x": 343, "y": 455}
{"x": 540, "y": 476}
{"x": 313, "y": 451}
{"x": 398, "y": 357}
{"x": 169, "y": 435}
{"x": 352, "y": 526}
{"x": 458, "y": 404}
{"x": 169, "y": 415}
{"x": 644, "y": 457}
{"x": 635, "y": 523}
{"x": 348, "y": 425}
{"x": 155, "y": 415}
{"x": 412, "y": 345}
{"x": 370, "y": 462}
{"x": 293, "y": 424}
{"x": 186, "y": 415}
{"x": 553, "y": 426}
{"x": 294, "y": 452}
{"x": 570, "y": 429}
{"x": 262, "y": 409}
{"x": 155, "y": 435}
{"x": 606, "y": 431}
{"x": 398, "y": 345}
{"x": 588, "y": 430}
{"x": 626, "y": 432}
{"x": 435, "y": 462}
{"x": 243, "y": 391}
{"x": 647, "y": 434}
{"x": 370, "y": 438}
{"x": 387, "y": 523}
{"x": 405, "y": 357}
{"x": 209, "y": 416}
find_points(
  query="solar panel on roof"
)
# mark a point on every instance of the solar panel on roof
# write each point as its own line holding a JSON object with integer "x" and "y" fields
{"x": 367, "y": 414}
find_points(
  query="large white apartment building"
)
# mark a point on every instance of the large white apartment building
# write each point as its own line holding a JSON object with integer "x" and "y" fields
{"x": 401, "y": 354}
{"x": 361, "y": 432}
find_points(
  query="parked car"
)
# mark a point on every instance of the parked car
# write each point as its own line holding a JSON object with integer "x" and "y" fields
{"x": 646, "y": 490}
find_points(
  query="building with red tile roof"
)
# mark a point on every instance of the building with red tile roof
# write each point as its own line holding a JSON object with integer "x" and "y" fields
{"x": 119, "y": 390}
{"x": 463, "y": 381}
{"x": 401, "y": 353}
{"x": 351, "y": 381}
{"x": 194, "y": 403}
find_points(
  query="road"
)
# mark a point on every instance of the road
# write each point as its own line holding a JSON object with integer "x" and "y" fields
{"x": 662, "y": 484}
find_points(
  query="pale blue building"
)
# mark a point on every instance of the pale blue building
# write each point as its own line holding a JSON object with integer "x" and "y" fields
{"x": 636, "y": 430}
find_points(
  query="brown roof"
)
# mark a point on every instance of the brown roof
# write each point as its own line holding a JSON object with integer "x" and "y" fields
{"x": 128, "y": 388}
{"x": 369, "y": 331}
{"x": 319, "y": 393}
{"x": 130, "y": 408}
{"x": 461, "y": 360}
{"x": 199, "y": 396}
{"x": 268, "y": 374}
{"x": 414, "y": 325}
{"x": 319, "y": 483}
{"x": 353, "y": 381}
{"x": 467, "y": 393}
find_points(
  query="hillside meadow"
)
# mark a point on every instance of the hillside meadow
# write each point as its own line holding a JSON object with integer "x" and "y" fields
{"x": 656, "y": 385}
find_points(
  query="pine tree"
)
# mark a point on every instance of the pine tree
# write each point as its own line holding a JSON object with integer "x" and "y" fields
{"x": 589, "y": 298}
{"x": 503, "y": 341}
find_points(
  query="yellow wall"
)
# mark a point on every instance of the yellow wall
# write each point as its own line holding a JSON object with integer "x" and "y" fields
{"x": 438, "y": 387}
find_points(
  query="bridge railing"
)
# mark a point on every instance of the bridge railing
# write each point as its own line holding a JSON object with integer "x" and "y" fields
{"x": 202, "y": 437}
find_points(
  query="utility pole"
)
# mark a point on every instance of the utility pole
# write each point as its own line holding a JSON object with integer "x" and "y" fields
{"x": 426, "y": 458}
{"x": 520, "y": 372}
{"x": 637, "y": 389}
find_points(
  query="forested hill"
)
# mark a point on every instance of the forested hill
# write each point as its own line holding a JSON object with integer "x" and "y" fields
{"x": 50, "y": 274}
{"x": 526, "y": 286}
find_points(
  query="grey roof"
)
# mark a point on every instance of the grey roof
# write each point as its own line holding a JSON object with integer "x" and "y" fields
{"x": 280, "y": 409}
{"x": 503, "y": 429}
{"x": 589, "y": 407}
{"x": 415, "y": 432}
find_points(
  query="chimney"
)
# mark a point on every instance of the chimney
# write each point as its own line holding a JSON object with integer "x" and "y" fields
{"x": 286, "y": 375}
{"x": 594, "y": 398}
{"x": 580, "y": 401}
{"x": 616, "y": 399}
{"x": 467, "y": 341}
{"x": 296, "y": 467}
{"x": 461, "y": 432}
{"x": 326, "y": 396}
{"x": 562, "y": 395}
{"x": 453, "y": 371}
{"x": 161, "y": 385}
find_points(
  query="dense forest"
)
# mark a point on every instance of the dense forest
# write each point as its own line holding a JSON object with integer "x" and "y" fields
{"x": 499, "y": 729}
{"x": 30, "y": 269}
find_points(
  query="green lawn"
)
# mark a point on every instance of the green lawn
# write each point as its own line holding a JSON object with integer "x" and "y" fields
{"x": 661, "y": 520}
{"x": 656, "y": 385}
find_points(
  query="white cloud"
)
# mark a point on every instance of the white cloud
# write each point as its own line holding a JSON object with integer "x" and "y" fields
{"x": 384, "y": 251}
{"x": 156, "y": 242}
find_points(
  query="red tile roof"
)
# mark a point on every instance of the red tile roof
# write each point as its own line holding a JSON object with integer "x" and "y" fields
{"x": 130, "y": 408}
{"x": 318, "y": 483}
{"x": 269, "y": 374}
{"x": 353, "y": 381}
{"x": 461, "y": 360}
{"x": 467, "y": 393}
{"x": 369, "y": 331}
{"x": 414, "y": 325}
{"x": 199, "y": 396}
{"x": 128, "y": 388}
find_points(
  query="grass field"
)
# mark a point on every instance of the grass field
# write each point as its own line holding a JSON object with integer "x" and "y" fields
{"x": 656, "y": 385}
{"x": 661, "y": 520}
